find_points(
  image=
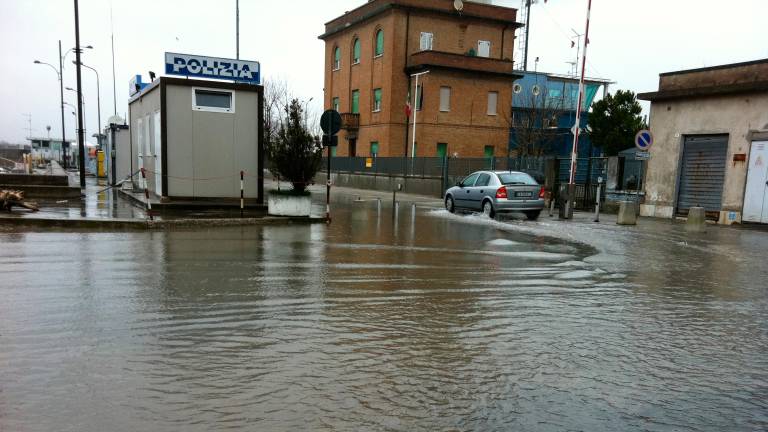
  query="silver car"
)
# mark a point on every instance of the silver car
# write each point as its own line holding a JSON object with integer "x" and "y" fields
{"x": 493, "y": 192}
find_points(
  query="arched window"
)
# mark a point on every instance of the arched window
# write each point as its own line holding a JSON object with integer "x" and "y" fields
{"x": 379, "y": 43}
{"x": 337, "y": 58}
{"x": 356, "y": 51}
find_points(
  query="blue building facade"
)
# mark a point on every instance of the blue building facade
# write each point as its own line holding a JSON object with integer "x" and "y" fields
{"x": 544, "y": 111}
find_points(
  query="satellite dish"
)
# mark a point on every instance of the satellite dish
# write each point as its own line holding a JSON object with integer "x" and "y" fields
{"x": 458, "y": 5}
{"x": 517, "y": 88}
{"x": 536, "y": 90}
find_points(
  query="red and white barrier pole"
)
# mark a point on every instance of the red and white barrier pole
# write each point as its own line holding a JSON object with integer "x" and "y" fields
{"x": 146, "y": 194}
{"x": 577, "y": 125}
{"x": 242, "y": 201}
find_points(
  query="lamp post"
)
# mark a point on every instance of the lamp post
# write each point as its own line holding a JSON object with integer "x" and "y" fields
{"x": 82, "y": 101}
{"x": 61, "y": 102}
{"x": 80, "y": 131}
{"x": 416, "y": 108}
{"x": 98, "y": 102}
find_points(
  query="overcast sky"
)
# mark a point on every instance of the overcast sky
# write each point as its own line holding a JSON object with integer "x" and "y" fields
{"x": 632, "y": 41}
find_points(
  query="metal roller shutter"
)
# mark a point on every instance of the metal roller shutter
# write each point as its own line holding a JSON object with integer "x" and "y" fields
{"x": 703, "y": 174}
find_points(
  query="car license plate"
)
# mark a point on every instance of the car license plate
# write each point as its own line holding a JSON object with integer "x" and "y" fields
{"x": 523, "y": 194}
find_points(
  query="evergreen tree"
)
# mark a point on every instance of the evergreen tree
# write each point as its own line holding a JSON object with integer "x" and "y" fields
{"x": 614, "y": 121}
{"x": 293, "y": 152}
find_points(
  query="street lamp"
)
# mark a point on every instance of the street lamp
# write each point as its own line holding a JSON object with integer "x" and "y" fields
{"x": 98, "y": 101}
{"x": 61, "y": 100}
{"x": 73, "y": 50}
{"x": 82, "y": 101}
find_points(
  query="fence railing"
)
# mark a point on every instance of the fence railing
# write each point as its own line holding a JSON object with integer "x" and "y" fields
{"x": 451, "y": 170}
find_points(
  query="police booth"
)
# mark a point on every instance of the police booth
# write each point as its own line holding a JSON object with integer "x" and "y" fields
{"x": 194, "y": 136}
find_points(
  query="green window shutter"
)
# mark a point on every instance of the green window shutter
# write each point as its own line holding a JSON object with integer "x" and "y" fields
{"x": 337, "y": 58}
{"x": 442, "y": 150}
{"x": 355, "y": 101}
{"x": 374, "y": 148}
{"x": 377, "y": 99}
{"x": 380, "y": 42}
{"x": 356, "y": 51}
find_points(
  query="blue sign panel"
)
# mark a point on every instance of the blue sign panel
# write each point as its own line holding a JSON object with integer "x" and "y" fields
{"x": 212, "y": 67}
{"x": 644, "y": 140}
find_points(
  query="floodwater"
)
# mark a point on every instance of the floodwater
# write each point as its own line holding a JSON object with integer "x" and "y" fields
{"x": 427, "y": 321}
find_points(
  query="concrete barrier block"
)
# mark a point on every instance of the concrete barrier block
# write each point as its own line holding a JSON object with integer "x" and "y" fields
{"x": 697, "y": 220}
{"x": 627, "y": 213}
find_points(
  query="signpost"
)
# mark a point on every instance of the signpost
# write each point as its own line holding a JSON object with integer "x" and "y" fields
{"x": 330, "y": 123}
{"x": 644, "y": 140}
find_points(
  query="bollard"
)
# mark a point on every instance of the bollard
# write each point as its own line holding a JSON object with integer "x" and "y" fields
{"x": 551, "y": 204}
{"x": 242, "y": 202}
{"x": 697, "y": 220}
{"x": 378, "y": 206}
{"x": 597, "y": 204}
{"x": 627, "y": 213}
{"x": 146, "y": 193}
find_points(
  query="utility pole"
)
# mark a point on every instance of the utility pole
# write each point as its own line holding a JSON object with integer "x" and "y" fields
{"x": 98, "y": 103}
{"x": 237, "y": 29}
{"x": 114, "y": 82}
{"x": 527, "y": 32}
{"x": 574, "y": 151}
{"x": 61, "y": 95}
{"x": 80, "y": 132}
{"x": 29, "y": 123}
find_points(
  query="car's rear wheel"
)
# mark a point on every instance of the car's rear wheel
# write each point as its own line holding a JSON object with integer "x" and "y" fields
{"x": 488, "y": 209}
{"x": 533, "y": 214}
{"x": 449, "y": 204}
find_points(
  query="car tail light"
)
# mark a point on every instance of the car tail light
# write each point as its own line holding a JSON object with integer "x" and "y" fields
{"x": 501, "y": 192}
{"x": 542, "y": 192}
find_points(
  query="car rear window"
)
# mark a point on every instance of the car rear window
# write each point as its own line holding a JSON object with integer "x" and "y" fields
{"x": 510, "y": 179}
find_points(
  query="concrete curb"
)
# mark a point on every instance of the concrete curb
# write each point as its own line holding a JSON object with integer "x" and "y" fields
{"x": 144, "y": 225}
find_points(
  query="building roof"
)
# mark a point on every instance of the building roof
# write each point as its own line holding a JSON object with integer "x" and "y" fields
{"x": 425, "y": 60}
{"x": 366, "y": 11}
{"x": 50, "y": 139}
{"x": 713, "y": 68}
{"x": 698, "y": 92}
{"x": 730, "y": 79}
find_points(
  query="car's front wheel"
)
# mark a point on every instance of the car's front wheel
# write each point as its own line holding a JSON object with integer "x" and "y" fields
{"x": 449, "y": 204}
{"x": 488, "y": 209}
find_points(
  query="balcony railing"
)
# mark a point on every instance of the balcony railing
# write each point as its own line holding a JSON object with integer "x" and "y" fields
{"x": 350, "y": 121}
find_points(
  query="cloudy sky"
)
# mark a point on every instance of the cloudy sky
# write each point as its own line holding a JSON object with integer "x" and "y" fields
{"x": 632, "y": 42}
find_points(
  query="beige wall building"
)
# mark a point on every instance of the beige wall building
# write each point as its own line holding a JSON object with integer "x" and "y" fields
{"x": 464, "y": 106}
{"x": 710, "y": 130}
{"x": 193, "y": 137}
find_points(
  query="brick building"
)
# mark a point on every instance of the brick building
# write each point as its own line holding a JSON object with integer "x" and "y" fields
{"x": 464, "y": 102}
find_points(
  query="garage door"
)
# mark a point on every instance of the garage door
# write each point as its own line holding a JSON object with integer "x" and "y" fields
{"x": 703, "y": 174}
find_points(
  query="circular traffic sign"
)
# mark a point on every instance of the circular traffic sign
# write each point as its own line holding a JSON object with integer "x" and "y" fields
{"x": 330, "y": 122}
{"x": 644, "y": 140}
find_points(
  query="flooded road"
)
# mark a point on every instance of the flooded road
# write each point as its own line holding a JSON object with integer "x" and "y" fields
{"x": 427, "y": 321}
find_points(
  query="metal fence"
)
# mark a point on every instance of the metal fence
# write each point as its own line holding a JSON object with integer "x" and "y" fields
{"x": 451, "y": 170}
{"x": 435, "y": 167}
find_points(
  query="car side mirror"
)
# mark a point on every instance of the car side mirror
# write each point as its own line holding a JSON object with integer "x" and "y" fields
{"x": 460, "y": 184}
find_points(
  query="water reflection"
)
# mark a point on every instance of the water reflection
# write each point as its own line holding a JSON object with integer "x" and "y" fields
{"x": 381, "y": 321}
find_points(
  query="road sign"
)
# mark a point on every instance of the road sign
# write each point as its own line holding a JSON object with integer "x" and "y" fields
{"x": 332, "y": 141}
{"x": 644, "y": 140}
{"x": 330, "y": 122}
{"x": 642, "y": 155}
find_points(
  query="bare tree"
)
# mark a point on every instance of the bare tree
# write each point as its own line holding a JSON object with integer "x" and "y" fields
{"x": 534, "y": 122}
